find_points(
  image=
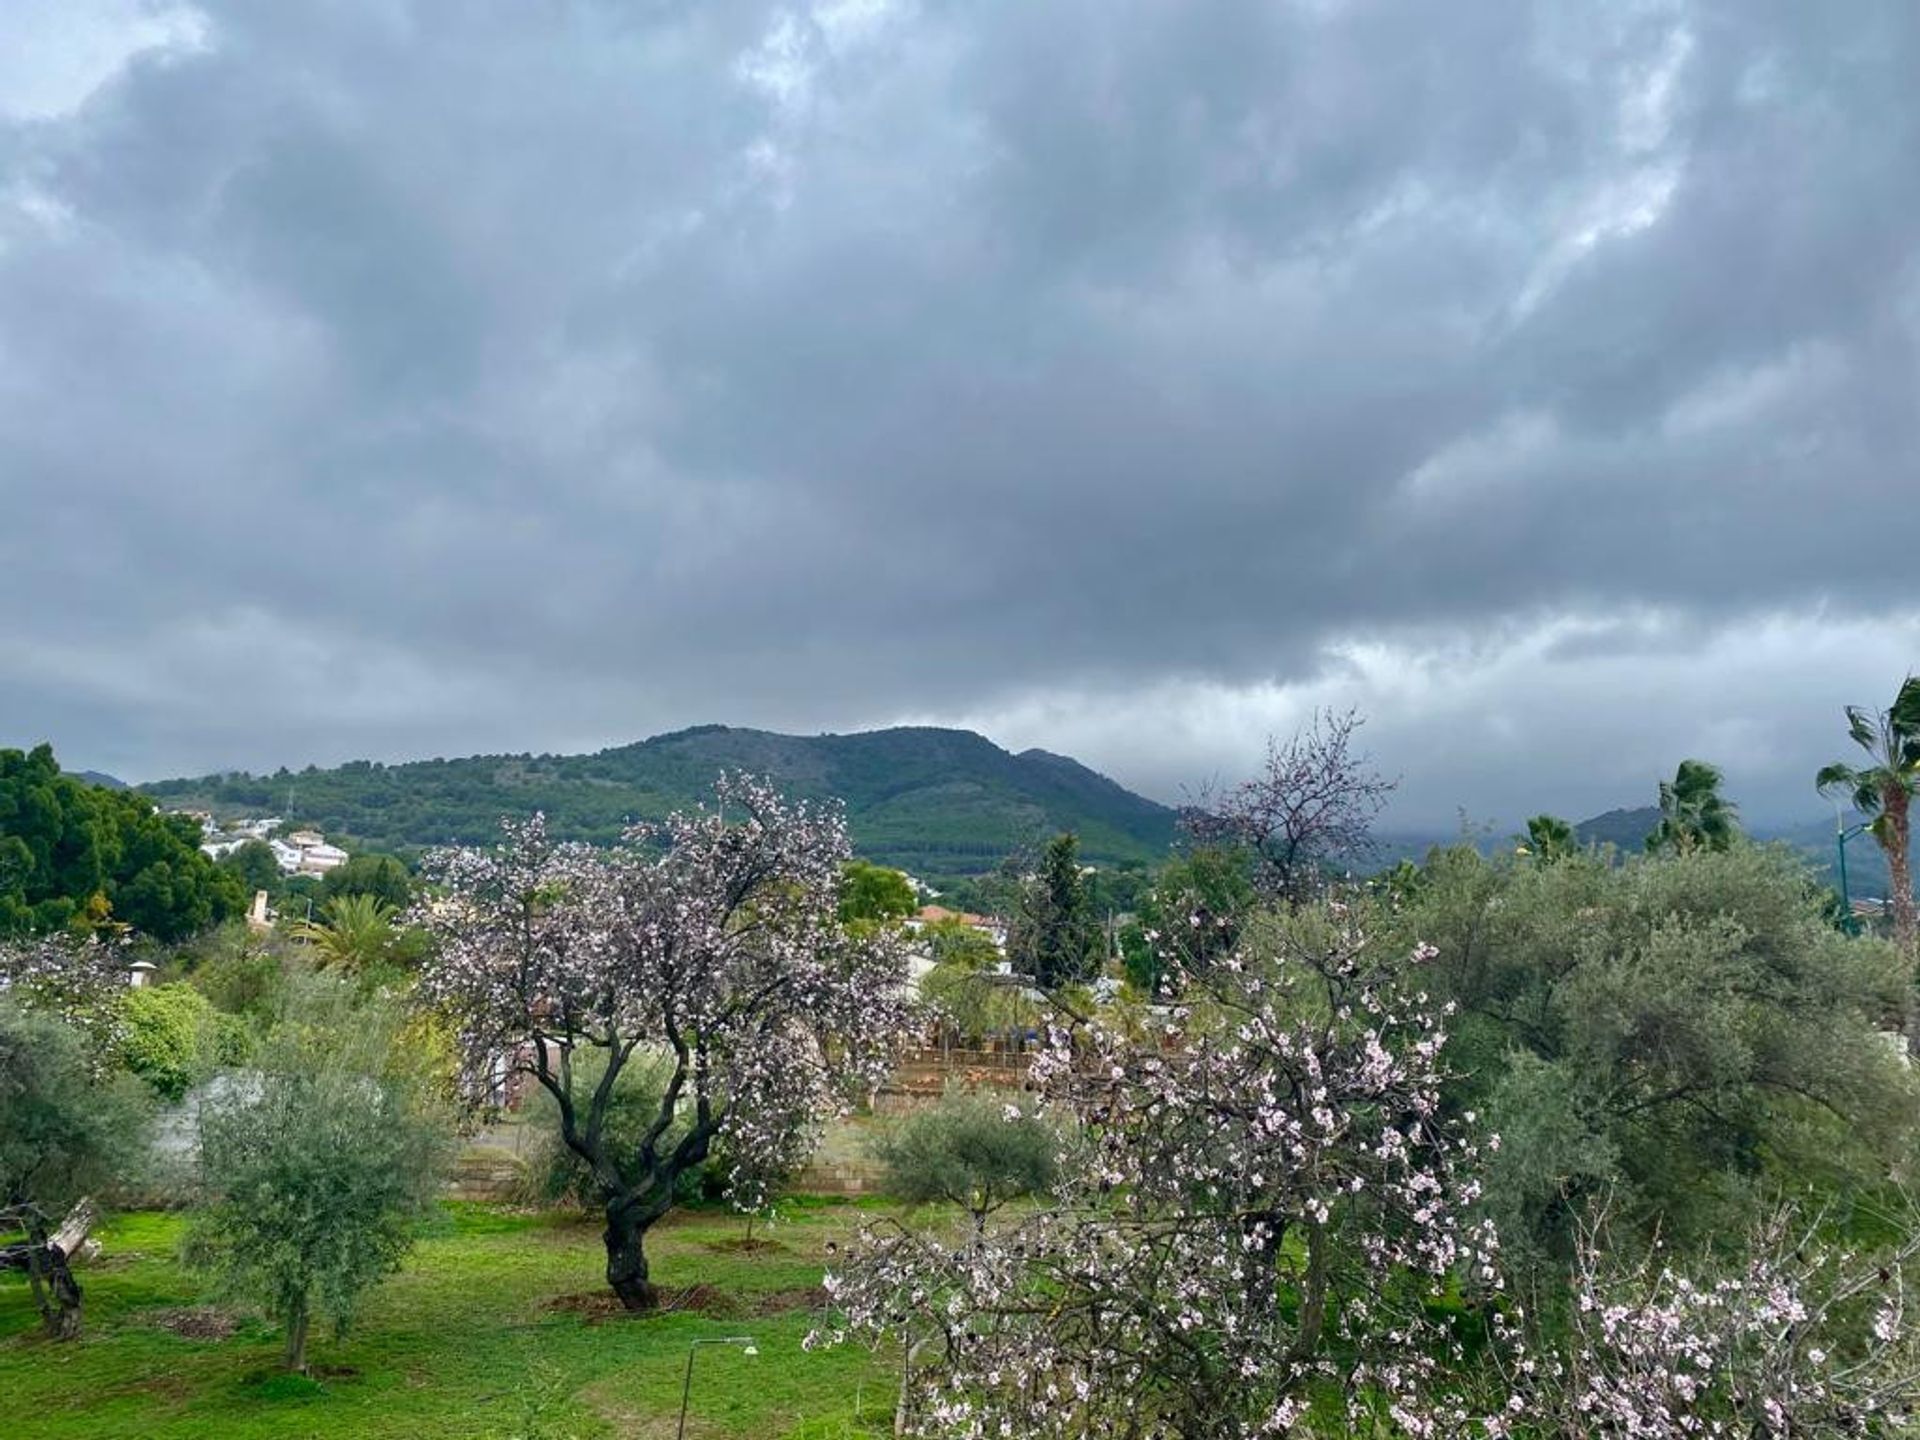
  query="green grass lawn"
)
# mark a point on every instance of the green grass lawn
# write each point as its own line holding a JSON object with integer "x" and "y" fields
{"x": 495, "y": 1327}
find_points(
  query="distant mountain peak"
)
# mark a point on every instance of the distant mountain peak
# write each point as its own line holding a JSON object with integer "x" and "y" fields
{"x": 1625, "y": 829}
{"x": 934, "y": 800}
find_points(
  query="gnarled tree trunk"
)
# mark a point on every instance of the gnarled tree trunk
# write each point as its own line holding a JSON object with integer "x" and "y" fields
{"x": 626, "y": 1231}
{"x": 48, "y": 1261}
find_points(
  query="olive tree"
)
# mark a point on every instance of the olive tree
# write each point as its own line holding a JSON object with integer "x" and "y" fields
{"x": 711, "y": 943}
{"x": 1678, "y": 1032}
{"x": 317, "y": 1166}
{"x": 975, "y": 1151}
{"x": 67, "y": 1128}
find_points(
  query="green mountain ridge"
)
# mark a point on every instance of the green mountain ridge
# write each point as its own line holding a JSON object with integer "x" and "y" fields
{"x": 1625, "y": 829}
{"x": 933, "y": 801}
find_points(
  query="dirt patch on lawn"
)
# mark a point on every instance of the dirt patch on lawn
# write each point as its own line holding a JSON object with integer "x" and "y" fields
{"x": 197, "y": 1322}
{"x": 597, "y": 1307}
{"x": 593, "y": 1305}
{"x": 703, "y": 1299}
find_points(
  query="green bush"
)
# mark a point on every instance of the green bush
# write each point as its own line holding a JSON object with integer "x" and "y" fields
{"x": 383, "y": 877}
{"x": 241, "y": 973}
{"x": 975, "y": 1151}
{"x": 174, "y": 1038}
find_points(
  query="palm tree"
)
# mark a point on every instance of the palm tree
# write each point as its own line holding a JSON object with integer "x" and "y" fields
{"x": 1694, "y": 815}
{"x": 354, "y": 932}
{"x": 1550, "y": 838}
{"x": 1884, "y": 791}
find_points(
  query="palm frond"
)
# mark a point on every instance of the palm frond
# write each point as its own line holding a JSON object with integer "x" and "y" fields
{"x": 1836, "y": 777}
{"x": 1904, "y": 715}
{"x": 1864, "y": 727}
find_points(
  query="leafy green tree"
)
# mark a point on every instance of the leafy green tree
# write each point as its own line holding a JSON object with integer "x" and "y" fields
{"x": 1884, "y": 790}
{"x": 384, "y": 877}
{"x": 977, "y": 1004}
{"x": 317, "y": 1168}
{"x": 1693, "y": 813}
{"x": 1681, "y": 1031}
{"x": 254, "y": 866}
{"x": 299, "y": 896}
{"x": 954, "y": 942}
{"x": 873, "y": 894}
{"x": 965, "y": 988}
{"x": 1055, "y": 936}
{"x": 978, "y": 1152}
{"x": 1549, "y": 838}
{"x": 73, "y": 855}
{"x": 66, "y": 1129}
{"x": 1120, "y": 889}
{"x": 172, "y": 1038}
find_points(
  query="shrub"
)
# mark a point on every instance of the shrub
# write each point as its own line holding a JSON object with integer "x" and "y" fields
{"x": 383, "y": 877}
{"x": 242, "y": 977}
{"x": 974, "y": 1151}
{"x": 174, "y": 1039}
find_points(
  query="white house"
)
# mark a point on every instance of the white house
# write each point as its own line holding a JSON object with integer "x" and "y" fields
{"x": 320, "y": 858}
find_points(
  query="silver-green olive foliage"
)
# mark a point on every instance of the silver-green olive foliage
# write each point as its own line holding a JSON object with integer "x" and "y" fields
{"x": 317, "y": 1165}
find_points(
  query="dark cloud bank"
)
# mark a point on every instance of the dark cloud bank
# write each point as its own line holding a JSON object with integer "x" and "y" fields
{"x": 395, "y": 379}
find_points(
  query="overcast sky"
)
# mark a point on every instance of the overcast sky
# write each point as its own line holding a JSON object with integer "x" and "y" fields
{"x": 397, "y": 379}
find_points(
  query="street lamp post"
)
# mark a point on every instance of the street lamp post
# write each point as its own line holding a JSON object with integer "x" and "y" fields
{"x": 1842, "y": 834}
{"x": 745, "y": 1342}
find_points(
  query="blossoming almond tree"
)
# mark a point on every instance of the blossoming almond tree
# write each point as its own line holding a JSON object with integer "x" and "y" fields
{"x": 1268, "y": 1214}
{"x": 1801, "y": 1336}
{"x": 82, "y": 981}
{"x": 710, "y": 941}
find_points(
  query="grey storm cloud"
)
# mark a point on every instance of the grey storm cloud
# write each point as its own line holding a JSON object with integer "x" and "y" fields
{"x": 394, "y": 379}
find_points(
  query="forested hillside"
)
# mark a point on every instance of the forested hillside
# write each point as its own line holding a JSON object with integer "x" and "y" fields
{"x": 86, "y": 857}
{"x": 937, "y": 802}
